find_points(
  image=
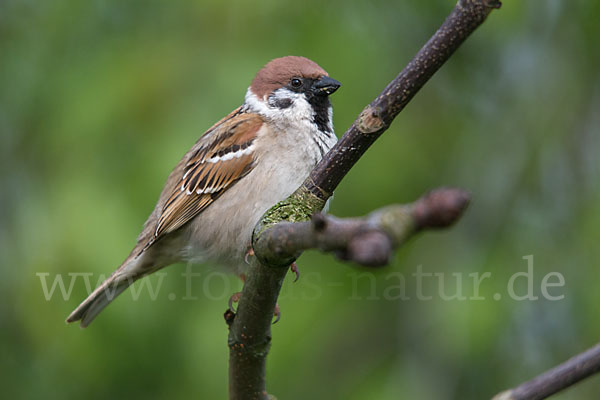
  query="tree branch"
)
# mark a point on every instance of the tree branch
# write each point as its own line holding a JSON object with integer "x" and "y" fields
{"x": 557, "y": 379}
{"x": 250, "y": 328}
{"x": 368, "y": 241}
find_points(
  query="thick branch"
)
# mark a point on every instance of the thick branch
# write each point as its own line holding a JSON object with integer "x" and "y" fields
{"x": 557, "y": 379}
{"x": 369, "y": 241}
{"x": 250, "y": 329}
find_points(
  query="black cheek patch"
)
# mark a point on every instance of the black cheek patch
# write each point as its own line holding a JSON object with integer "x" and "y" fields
{"x": 283, "y": 103}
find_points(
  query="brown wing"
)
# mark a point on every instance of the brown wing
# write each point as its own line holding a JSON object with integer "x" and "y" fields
{"x": 221, "y": 157}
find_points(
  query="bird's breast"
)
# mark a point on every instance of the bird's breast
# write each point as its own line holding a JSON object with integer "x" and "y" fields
{"x": 222, "y": 233}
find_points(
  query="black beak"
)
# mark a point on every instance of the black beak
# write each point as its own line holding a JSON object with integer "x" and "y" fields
{"x": 325, "y": 86}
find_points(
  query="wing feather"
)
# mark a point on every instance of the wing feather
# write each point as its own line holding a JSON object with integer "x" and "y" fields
{"x": 222, "y": 156}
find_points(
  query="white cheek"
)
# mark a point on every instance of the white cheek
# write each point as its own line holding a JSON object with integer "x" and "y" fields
{"x": 298, "y": 110}
{"x": 298, "y": 115}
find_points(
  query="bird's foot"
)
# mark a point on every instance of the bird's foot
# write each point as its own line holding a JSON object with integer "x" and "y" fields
{"x": 294, "y": 268}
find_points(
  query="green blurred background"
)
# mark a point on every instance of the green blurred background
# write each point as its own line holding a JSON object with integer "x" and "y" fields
{"x": 100, "y": 99}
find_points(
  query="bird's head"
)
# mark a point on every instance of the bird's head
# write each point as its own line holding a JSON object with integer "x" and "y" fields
{"x": 294, "y": 84}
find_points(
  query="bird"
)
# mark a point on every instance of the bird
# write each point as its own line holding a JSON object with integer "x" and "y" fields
{"x": 244, "y": 164}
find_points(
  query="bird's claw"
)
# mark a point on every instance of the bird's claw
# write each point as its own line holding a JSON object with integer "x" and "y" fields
{"x": 249, "y": 253}
{"x": 234, "y": 299}
{"x": 277, "y": 314}
{"x": 294, "y": 268}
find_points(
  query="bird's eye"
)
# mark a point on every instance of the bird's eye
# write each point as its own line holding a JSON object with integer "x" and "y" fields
{"x": 296, "y": 82}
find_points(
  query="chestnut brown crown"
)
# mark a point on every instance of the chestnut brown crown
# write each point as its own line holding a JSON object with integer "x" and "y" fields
{"x": 278, "y": 73}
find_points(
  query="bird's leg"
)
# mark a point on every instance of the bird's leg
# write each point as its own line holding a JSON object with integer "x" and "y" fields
{"x": 294, "y": 268}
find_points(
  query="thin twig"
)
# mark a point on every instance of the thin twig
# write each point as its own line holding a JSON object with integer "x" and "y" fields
{"x": 557, "y": 379}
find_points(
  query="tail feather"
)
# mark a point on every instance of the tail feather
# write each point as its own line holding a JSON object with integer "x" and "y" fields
{"x": 99, "y": 299}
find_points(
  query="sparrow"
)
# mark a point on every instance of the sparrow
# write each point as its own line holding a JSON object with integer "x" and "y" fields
{"x": 244, "y": 164}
